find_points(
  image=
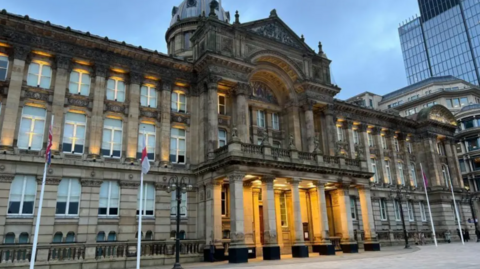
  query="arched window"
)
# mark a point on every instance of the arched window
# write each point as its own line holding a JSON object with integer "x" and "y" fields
{"x": 9, "y": 238}
{"x": 109, "y": 199}
{"x": 68, "y": 197}
{"x": 182, "y": 235}
{"x": 149, "y": 235}
{"x": 100, "y": 237}
{"x": 446, "y": 175}
{"x": 173, "y": 234}
{"x": 23, "y": 239}
{"x": 136, "y": 235}
{"x": 112, "y": 237}
{"x": 58, "y": 237}
{"x": 22, "y": 195}
{"x": 70, "y": 237}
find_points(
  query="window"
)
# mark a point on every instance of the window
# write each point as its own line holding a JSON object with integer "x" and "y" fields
{"x": 396, "y": 206}
{"x": 374, "y": 170}
{"x": 283, "y": 209}
{"x": 9, "y": 238}
{"x": 384, "y": 141}
{"x": 409, "y": 147}
{"x": 468, "y": 123}
{"x": 261, "y": 118}
{"x": 353, "y": 207}
{"x": 458, "y": 147}
{"x": 402, "y": 176}
{"x": 463, "y": 101}
{"x": 440, "y": 149}
{"x": 275, "y": 121}
{"x": 222, "y": 138}
{"x": 109, "y": 199}
{"x": 179, "y": 102}
{"x": 222, "y": 104}
{"x": 472, "y": 143}
{"x": 187, "y": 41}
{"x": 57, "y": 238}
{"x": 339, "y": 132}
{"x": 148, "y": 96}
{"x": 430, "y": 104}
{"x": 79, "y": 83}
{"x": 411, "y": 216}
{"x": 148, "y": 205}
{"x": 383, "y": 209}
{"x": 3, "y": 67}
{"x": 371, "y": 142}
{"x": 224, "y": 202}
{"x": 70, "y": 237}
{"x": 149, "y": 235}
{"x": 74, "y": 133}
{"x": 397, "y": 144}
{"x": 183, "y": 205}
{"x": 413, "y": 174}
{"x": 415, "y": 97}
{"x": 32, "y": 127}
{"x": 39, "y": 75}
{"x": 147, "y": 131}
{"x": 22, "y": 195}
{"x": 177, "y": 145}
{"x": 68, "y": 197}
{"x": 101, "y": 237}
{"x": 277, "y": 144}
{"x": 112, "y": 237}
{"x": 463, "y": 167}
{"x": 422, "y": 211}
{"x": 410, "y": 111}
{"x": 356, "y": 137}
{"x": 446, "y": 175}
{"x": 389, "y": 172}
{"x": 112, "y": 138}
{"x": 116, "y": 90}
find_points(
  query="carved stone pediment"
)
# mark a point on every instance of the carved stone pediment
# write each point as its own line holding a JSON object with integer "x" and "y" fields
{"x": 149, "y": 113}
{"x": 37, "y": 95}
{"x": 180, "y": 118}
{"x": 80, "y": 101}
{"x": 276, "y": 30}
{"x": 116, "y": 107}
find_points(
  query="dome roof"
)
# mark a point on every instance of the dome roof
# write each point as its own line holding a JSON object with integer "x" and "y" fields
{"x": 195, "y": 8}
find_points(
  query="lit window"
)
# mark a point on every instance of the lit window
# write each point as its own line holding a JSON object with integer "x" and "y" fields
{"x": 374, "y": 171}
{"x": 222, "y": 104}
{"x": 446, "y": 175}
{"x": 413, "y": 174}
{"x": 283, "y": 210}
{"x": 116, "y": 90}
{"x": 440, "y": 149}
{"x": 148, "y": 206}
{"x": 402, "y": 176}
{"x": 39, "y": 75}
{"x": 177, "y": 145}
{"x": 183, "y": 205}
{"x": 22, "y": 195}
{"x": 109, "y": 199}
{"x": 74, "y": 133}
{"x": 147, "y": 131}
{"x": 353, "y": 207}
{"x": 411, "y": 216}
{"x": 68, "y": 197}
{"x": 112, "y": 138}
{"x": 224, "y": 202}
{"x": 261, "y": 118}
{"x": 339, "y": 132}
{"x": 79, "y": 83}
{"x": 148, "y": 96}
{"x": 356, "y": 137}
{"x": 222, "y": 138}
{"x": 422, "y": 211}
{"x": 396, "y": 206}
{"x": 384, "y": 141}
{"x": 3, "y": 67}
{"x": 383, "y": 209}
{"x": 371, "y": 142}
{"x": 179, "y": 102}
{"x": 32, "y": 128}
{"x": 275, "y": 121}
{"x": 397, "y": 144}
{"x": 389, "y": 172}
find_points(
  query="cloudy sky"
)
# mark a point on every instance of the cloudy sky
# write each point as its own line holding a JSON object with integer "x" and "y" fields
{"x": 359, "y": 36}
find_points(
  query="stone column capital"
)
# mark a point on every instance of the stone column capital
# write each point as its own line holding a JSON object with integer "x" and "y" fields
{"x": 268, "y": 179}
{"x": 21, "y": 52}
{"x": 7, "y": 178}
{"x": 307, "y": 105}
{"x": 348, "y": 124}
{"x": 49, "y": 180}
{"x": 295, "y": 181}
{"x": 256, "y": 190}
{"x": 91, "y": 182}
{"x": 242, "y": 89}
{"x": 167, "y": 85}
{"x": 129, "y": 184}
{"x": 63, "y": 62}
{"x": 236, "y": 177}
{"x": 212, "y": 82}
{"x": 277, "y": 192}
{"x": 101, "y": 70}
{"x": 136, "y": 77}
{"x": 214, "y": 182}
{"x": 247, "y": 184}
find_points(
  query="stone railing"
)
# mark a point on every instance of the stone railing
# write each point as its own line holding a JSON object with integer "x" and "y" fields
{"x": 66, "y": 252}
{"x": 306, "y": 156}
{"x": 331, "y": 159}
{"x": 352, "y": 162}
{"x": 282, "y": 153}
{"x": 220, "y": 151}
{"x": 15, "y": 254}
{"x": 252, "y": 149}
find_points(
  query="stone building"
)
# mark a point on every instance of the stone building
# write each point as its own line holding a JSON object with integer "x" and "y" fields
{"x": 245, "y": 112}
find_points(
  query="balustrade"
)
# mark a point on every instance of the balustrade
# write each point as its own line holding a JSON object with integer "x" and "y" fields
{"x": 306, "y": 156}
{"x": 15, "y": 253}
{"x": 282, "y": 153}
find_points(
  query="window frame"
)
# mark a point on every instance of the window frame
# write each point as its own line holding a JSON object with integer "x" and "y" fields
{"x": 413, "y": 174}
{"x": 111, "y": 143}
{"x": 149, "y": 96}
{"x": 81, "y": 74}
{"x": 115, "y": 90}
{"x": 149, "y": 135}
{"x": 39, "y": 76}
{"x": 31, "y": 133}
{"x": 283, "y": 210}
{"x": 396, "y": 207}
{"x": 224, "y": 198}
{"x": 275, "y": 121}
{"x": 68, "y": 200}
{"x": 261, "y": 123}
{"x": 340, "y": 134}
{"x": 178, "y": 138}
{"x": 353, "y": 207}
{"x": 356, "y": 137}
{"x": 411, "y": 212}
{"x": 446, "y": 175}
{"x": 402, "y": 175}
{"x": 178, "y": 103}
{"x": 389, "y": 172}
{"x": 383, "y": 210}
{"x": 222, "y": 107}
{"x": 22, "y": 197}
{"x": 371, "y": 141}
{"x": 396, "y": 144}
{"x": 74, "y": 138}
{"x": 109, "y": 198}
{"x": 383, "y": 139}
{"x": 173, "y": 205}
{"x": 223, "y": 139}
{"x": 374, "y": 168}
{"x": 145, "y": 196}
{"x": 423, "y": 213}
{"x": 5, "y": 68}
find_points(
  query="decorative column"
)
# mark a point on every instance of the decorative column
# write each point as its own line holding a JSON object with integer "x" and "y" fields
{"x": 213, "y": 216}
{"x": 96, "y": 121}
{"x": 61, "y": 83}
{"x": 271, "y": 249}
{"x": 238, "y": 251}
{"x": 256, "y": 217}
{"x": 12, "y": 105}
{"x": 370, "y": 242}
{"x": 133, "y": 116}
{"x": 165, "y": 123}
{"x": 248, "y": 217}
{"x": 310, "y": 125}
{"x": 212, "y": 127}
{"x": 348, "y": 244}
{"x": 294, "y": 125}
{"x": 329, "y": 118}
{"x": 320, "y": 221}
{"x": 278, "y": 217}
{"x": 351, "y": 144}
{"x": 88, "y": 217}
{"x": 299, "y": 249}
{"x": 241, "y": 93}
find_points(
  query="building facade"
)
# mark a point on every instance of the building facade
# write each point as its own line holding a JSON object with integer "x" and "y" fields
{"x": 443, "y": 41}
{"x": 245, "y": 112}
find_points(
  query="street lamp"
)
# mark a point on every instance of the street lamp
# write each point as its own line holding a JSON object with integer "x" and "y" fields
{"x": 471, "y": 197}
{"x": 180, "y": 186}
{"x": 399, "y": 196}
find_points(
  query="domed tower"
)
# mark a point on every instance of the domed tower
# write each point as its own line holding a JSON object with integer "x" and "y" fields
{"x": 185, "y": 20}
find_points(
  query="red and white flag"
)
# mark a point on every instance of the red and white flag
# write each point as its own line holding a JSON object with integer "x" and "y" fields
{"x": 145, "y": 163}
{"x": 48, "y": 152}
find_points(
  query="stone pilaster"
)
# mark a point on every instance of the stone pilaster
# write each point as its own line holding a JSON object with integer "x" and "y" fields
{"x": 61, "y": 83}
{"x": 162, "y": 214}
{"x": 309, "y": 125}
{"x": 256, "y": 218}
{"x": 127, "y": 225}
{"x": 238, "y": 251}
{"x": 213, "y": 217}
{"x": 5, "y": 186}
{"x": 330, "y": 124}
{"x": 320, "y": 221}
{"x": 165, "y": 123}
{"x": 299, "y": 249}
{"x": 370, "y": 243}
{"x": 96, "y": 121}
{"x": 351, "y": 145}
{"x": 294, "y": 128}
{"x": 212, "y": 127}
{"x": 13, "y": 99}
{"x": 452, "y": 162}
{"x": 248, "y": 213}
{"x": 47, "y": 223}
{"x": 133, "y": 115}
{"x": 347, "y": 242}
{"x": 241, "y": 108}
{"x": 88, "y": 214}
{"x": 272, "y": 226}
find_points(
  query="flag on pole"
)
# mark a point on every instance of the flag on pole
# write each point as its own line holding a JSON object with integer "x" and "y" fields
{"x": 145, "y": 162}
{"x": 425, "y": 184}
{"x": 48, "y": 153}
{"x": 425, "y": 180}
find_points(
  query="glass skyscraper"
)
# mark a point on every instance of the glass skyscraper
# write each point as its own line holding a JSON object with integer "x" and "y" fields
{"x": 444, "y": 40}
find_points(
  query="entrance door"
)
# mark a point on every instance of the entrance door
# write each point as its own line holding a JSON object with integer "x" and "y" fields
{"x": 260, "y": 215}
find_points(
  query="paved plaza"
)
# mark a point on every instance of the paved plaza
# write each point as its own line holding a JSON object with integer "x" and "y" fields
{"x": 445, "y": 256}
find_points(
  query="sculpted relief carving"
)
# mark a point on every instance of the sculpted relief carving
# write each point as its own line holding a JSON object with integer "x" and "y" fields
{"x": 277, "y": 32}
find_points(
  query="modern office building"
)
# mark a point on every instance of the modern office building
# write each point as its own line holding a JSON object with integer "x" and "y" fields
{"x": 443, "y": 41}
{"x": 245, "y": 112}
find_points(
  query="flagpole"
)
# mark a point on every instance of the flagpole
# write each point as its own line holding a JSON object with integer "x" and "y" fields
{"x": 456, "y": 209}
{"x": 428, "y": 205}
{"x": 39, "y": 213}
{"x": 140, "y": 216}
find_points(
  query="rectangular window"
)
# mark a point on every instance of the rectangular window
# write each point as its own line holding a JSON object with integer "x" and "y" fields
{"x": 468, "y": 123}
{"x": 68, "y": 197}
{"x": 148, "y": 96}
{"x": 389, "y": 172}
{"x": 463, "y": 168}
{"x": 413, "y": 174}
{"x": 224, "y": 202}
{"x": 79, "y": 83}
{"x": 339, "y": 132}
{"x": 383, "y": 138}
{"x": 147, "y": 132}
{"x": 440, "y": 149}
{"x": 422, "y": 211}
{"x": 383, "y": 209}
{"x": 177, "y": 145}
{"x": 456, "y": 102}
{"x": 397, "y": 144}
{"x": 109, "y": 199}
{"x": 371, "y": 142}
{"x": 3, "y": 67}
{"x": 374, "y": 170}
{"x": 275, "y": 121}
{"x": 187, "y": 41}
{"x": 32, "y": 128}
{"x": 22, "y": 195}
{"x": 74, "y": 133}
{"x": 116, "y": 90}
{"x": 222, "y": 138}
{"x": 463, "y": 101}
{"x": 396, "y": 206}
{"x": 283, "y": 209}
{"x": 39, "y": 75}
{"x": 148, "y": 206}
{"x": 353, "y": 207}
{"x": 356, "y": 137}
{"x": 261, "y": 118}
{"x": 112, "y": 138}
{"x": 402, "y": 176}
{"x": 222, "y": 104}
{"x": 179, "y": 102}
{"x": 409, "y": 147}
{"x": 411, "y": 216}
{"x": 183, "y": 205}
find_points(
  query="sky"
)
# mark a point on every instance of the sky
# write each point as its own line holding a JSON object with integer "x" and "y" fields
{"x": 359, "y": 36}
